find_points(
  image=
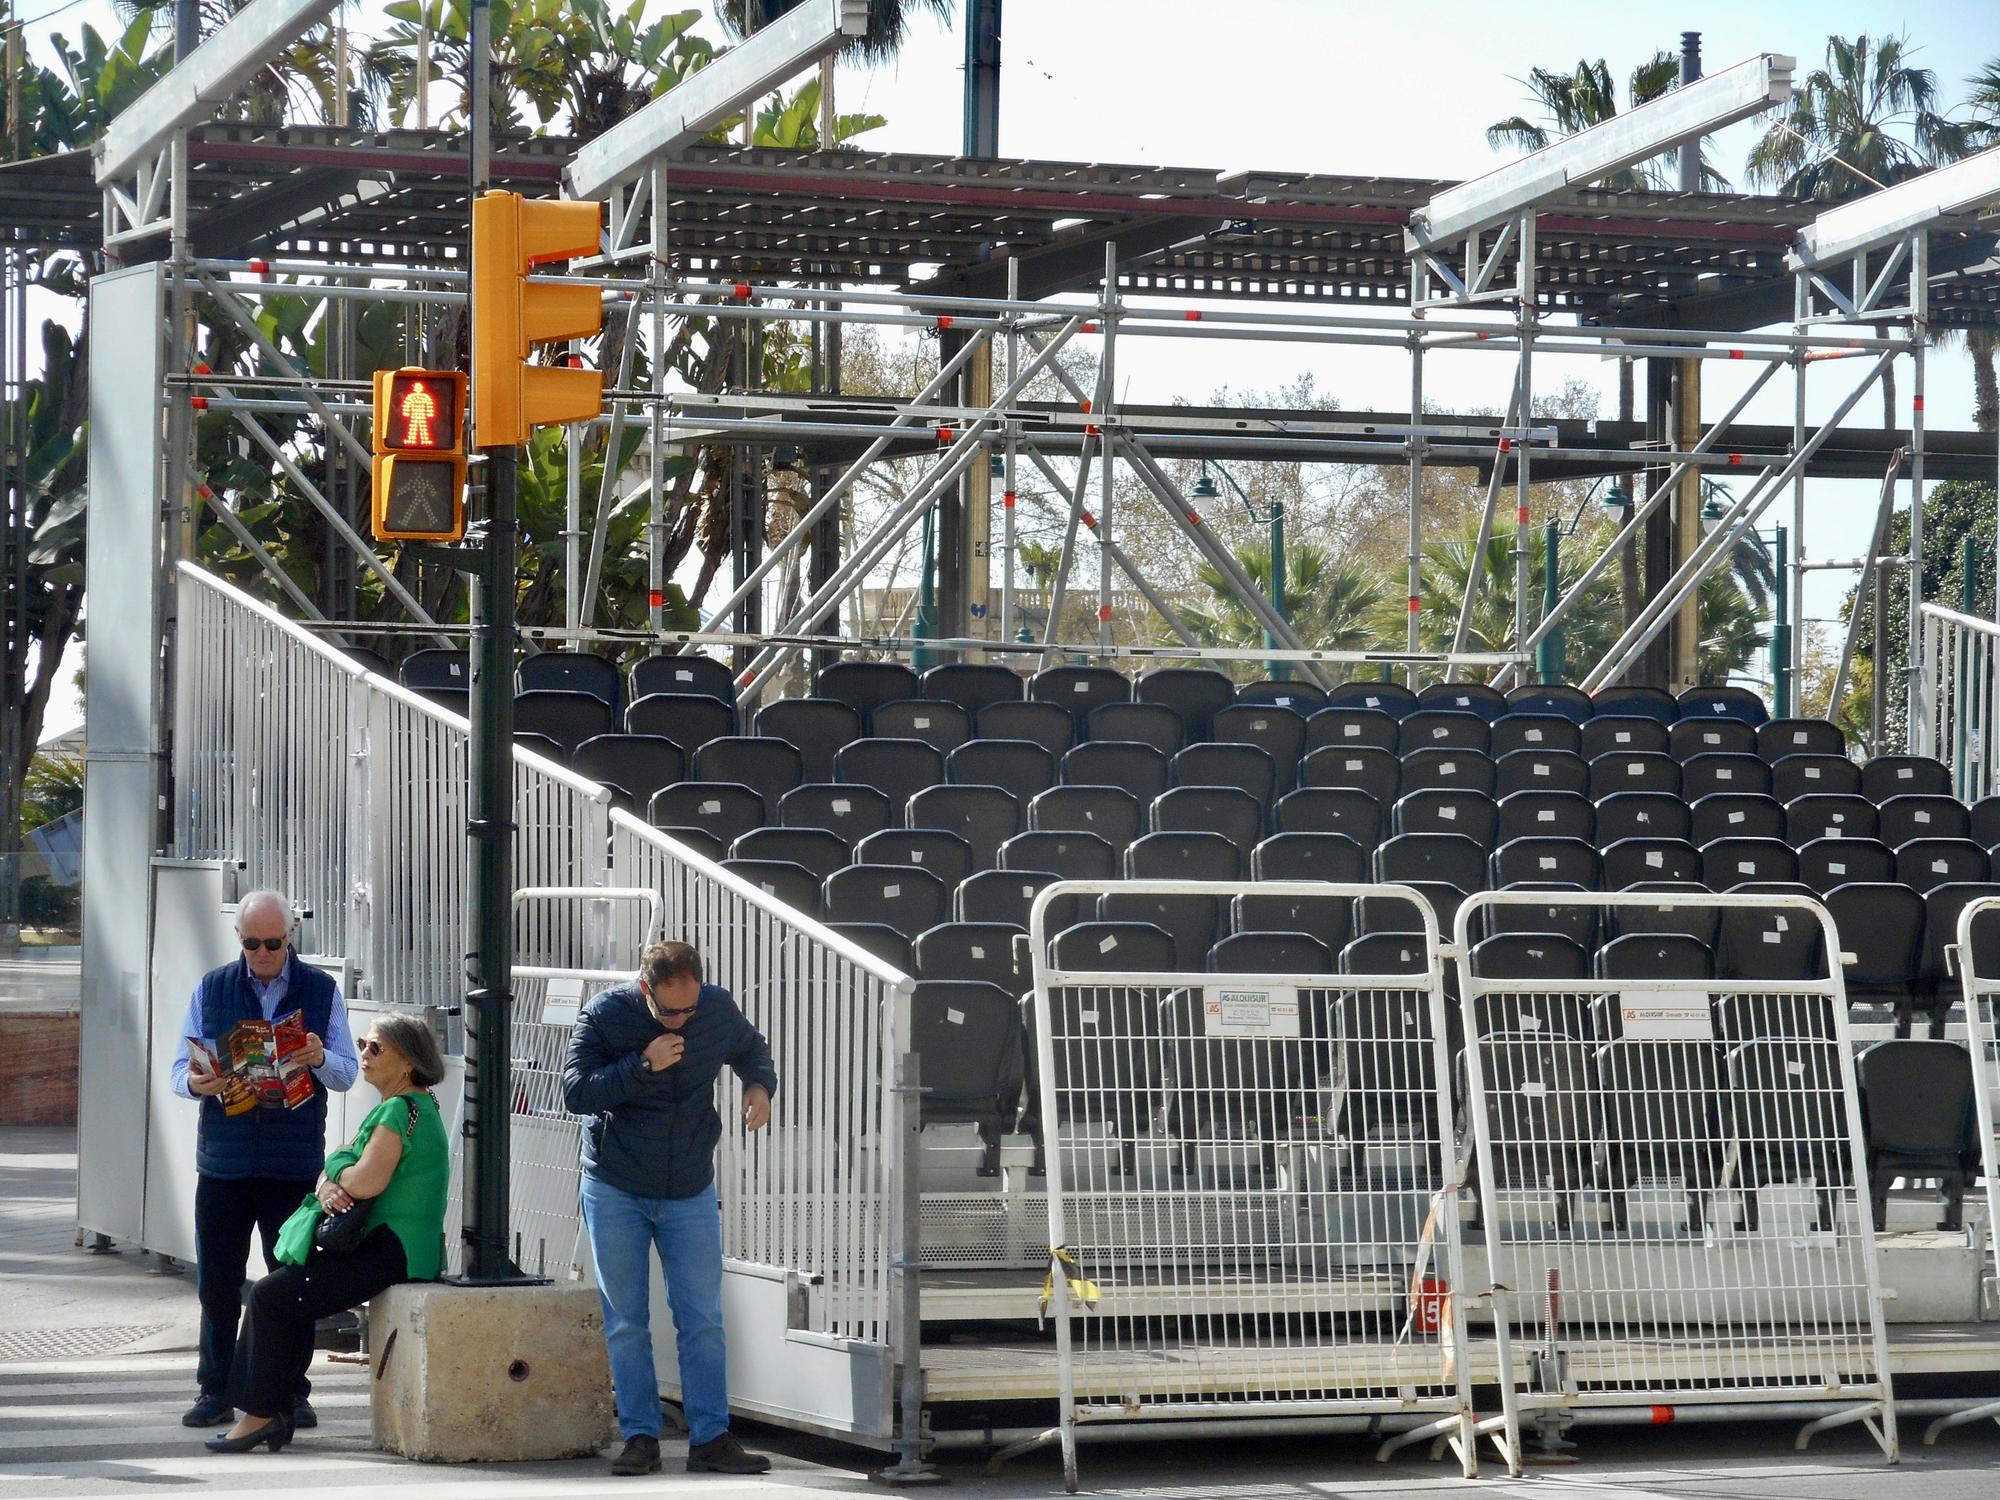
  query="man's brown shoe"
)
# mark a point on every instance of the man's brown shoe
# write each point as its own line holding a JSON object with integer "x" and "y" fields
{"x": 641, "y": 1456}
{"x": 724, "y": 1455}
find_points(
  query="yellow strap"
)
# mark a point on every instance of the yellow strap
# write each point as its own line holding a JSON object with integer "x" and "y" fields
{"x": 1080, "y": 1289}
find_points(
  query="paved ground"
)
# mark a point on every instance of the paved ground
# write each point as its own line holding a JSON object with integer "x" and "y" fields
{"x": 76, "y": 1420}
{"x": 41, "y": 979}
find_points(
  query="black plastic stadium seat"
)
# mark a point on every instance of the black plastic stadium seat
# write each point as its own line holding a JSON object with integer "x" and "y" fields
{"x": 898, "y": 896}
{"x": 1901, "y": 819}
{"x": 725, "y": 809}
{"x": 1518, "y": 731}
{"x": 1391, "y": 697}
{"x": 1449, "y": 857}
{"x": 1984, "y": 821}
{"x": 1796, "y": 776}
{"x": 984, "y": 816}
{"x": 575, "y": 671}
{"x": 459, "y": 701}
{"x": 898, "y": 769}
{"x": 942, "y": 726}
{"x": 1443, "y": 729}
{"x": 851, "y": 812}
{"x": 1135, "y": 768}
{"x": 1376, "y": 772}
{"x": 1226, "y": 810}
{"x": 1023, "y": 767}
{"x": 1331, "y": 809}
{"x": 1624, "y": 733}
{"x": 1562, "y": 815}
{"x": 1692, "y": 737}
{"x": 683, "y": 674}
{"x": 1769, "y": 943}
{"x": 1080, "y": 689}
{"x": 1541, "y": 1116}
{"x": 690, "y": 720}
{"x": 1882, "y": 925}
{"x": 1640, "y": 815}
{"x": 374, "y": 661}
{"x": 937, "y": 850}
{"x": 1546, "y": 860}
{"x": 1464, "y": 697}
{"x": 1569, "y": 702}
{"x": 1699, "y": 921}
{"x": 1829, "y": 815}
{"x": 1072, "y": 856}
{"x": 1197, "y": 694}
{"x": 1633, "y": 771}
{"x": 1737, "y": 703}
{"x": 1938, "y": 985}
{"x": 1270, "y": 953}
{"x": 1630, "y": 862}
{"x": 1446, "y": 810}
{"x": 568, "y": 718}
{"x": 792, "y": 884}
{"x": 1889, "y": 776}
{"x": 640, "y": 763}
{"x": 1191, "y": 922}
{"x": 1042, "y": 723}
{"x": 1637, "y": 702}
{"x": 1785, "y": 1099}
{"x": 1925, "y": 864}
{"x": 1782, "y": 737}
{"x": 1152, "y": 724}
{"x": 769, "y": 767}
{"x": 863, "y": 685}
{"x": 972, "y": 685}
{"x": 1384, "y": 953}
{"x": 1000, "y": 896}
{"x": 1278, "y": 732}
{"x": 1918, "y": 1120}
{"x": 1653, "y": 955}
{"x": 1661, "y": 1104}
{"x": 1537, "y": 956}
{"x": 1327, "y": 919}
{"x": 1110, "y": 812}
{"x": 1540, "y": 771}
{"x": 1734, "y": 815}
{"x": 981, "y": 952}
{"x": 1825, "y": 864}
{"x": 968, "y": 1043}
{"x": 696, "y": 841}
{"x": 1469, "y": 769}
{"x": 812, "y": 848}
{"x": 1705, "y": 775}
{"x": 1351, "y": 728}
{"x": 436, "y": 667}
{"x": 1393, "y": 913}
{"x": 818, "y": 726}
{"x": 884, "y": 943}
{"x": 1730, "y": 862}
{"x": 1302, "y": 698}
{"x": 1330, "y": 857}
{"x": 1247, "y": 768}
{"x": 1568, "y": 919}
{"x": 1184, "y": 856}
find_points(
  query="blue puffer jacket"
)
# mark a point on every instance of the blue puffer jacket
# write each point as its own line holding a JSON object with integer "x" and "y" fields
{"x": 653, "y": 1134}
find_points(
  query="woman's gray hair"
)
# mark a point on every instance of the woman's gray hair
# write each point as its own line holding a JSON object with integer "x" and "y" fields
{"x": 411, "y": 1037}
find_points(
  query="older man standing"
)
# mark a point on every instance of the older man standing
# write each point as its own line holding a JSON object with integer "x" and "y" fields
{"x": 252, "y": 1169}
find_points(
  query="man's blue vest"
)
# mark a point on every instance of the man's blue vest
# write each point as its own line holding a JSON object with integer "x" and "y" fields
{"x": 282, "y": 1143}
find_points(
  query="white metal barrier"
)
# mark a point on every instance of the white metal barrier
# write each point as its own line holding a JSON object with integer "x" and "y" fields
{"x": 1672, "y": 1177}
{"x": 1959, "y": 680}
{"x": 1247, "y": 1179}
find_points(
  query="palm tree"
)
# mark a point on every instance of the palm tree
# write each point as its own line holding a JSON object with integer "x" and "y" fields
{"x": 1588, "y": 630}
{"x": 1585, "y": 97}
{"x": 1983, "y": 343}
{"x": 888, "y": 21}
{"x": 1332, "y": 605}
{"x": 1866, "y": 120}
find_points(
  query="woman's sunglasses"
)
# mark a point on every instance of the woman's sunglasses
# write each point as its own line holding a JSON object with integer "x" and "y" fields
{"x": 369, "y": 1046}
{"x": 269, "y": 945}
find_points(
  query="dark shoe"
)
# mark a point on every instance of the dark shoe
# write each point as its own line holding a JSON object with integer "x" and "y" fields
{"x": 277, "y": 1432}
{"x": 724, "y": 1455}
{"x": 303, "y": 1416}
{"x": 209, "y": 1411}
{"x": 641, "y": 1456}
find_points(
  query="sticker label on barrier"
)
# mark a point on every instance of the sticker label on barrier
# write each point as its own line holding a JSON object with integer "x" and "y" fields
{"x": 1659, "y": 1014}
{"x": 1272, "y": 1011}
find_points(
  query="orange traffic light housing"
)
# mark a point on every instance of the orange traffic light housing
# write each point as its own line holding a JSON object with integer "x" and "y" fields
{"x": 418, "y": 493}
{"x": 511, "y": 235}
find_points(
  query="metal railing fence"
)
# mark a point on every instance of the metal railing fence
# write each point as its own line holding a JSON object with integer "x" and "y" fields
{"x": 1959, "y": 681}
{"x": 1672, "y": 1180}
{"x": 1248, "y": 1178}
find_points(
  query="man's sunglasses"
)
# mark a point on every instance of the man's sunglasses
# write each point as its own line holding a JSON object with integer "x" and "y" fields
{"x": 269, "y": 945}
{"x": 663, "y": 1012}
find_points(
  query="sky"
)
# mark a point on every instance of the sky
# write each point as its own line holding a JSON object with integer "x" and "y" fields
{"x": 1389, "y": 90}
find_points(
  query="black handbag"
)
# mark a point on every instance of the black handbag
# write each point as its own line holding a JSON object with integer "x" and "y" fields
{"x": 340, "y": 1233}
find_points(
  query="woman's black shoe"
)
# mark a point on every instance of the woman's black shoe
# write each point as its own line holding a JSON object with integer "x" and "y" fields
{"x": 277, "y": 1432}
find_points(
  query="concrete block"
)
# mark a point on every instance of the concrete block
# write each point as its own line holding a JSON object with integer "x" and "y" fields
{"x": 503, "y": 1374}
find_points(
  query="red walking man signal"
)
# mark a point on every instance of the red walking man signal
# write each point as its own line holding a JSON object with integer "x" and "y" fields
{"x": 419, "y": 481}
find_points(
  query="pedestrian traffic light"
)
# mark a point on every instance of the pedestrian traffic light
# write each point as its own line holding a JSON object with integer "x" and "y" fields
{"x": 510, "y": 315}
{"x": 419, "y": 483}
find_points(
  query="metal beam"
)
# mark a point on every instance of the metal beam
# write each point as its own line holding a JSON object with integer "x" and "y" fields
{"x": 211, "y": 73}
{"x": 1885, "y": 216}
{"x": 690, "y": 109}
{"x": 1720, "y": 99}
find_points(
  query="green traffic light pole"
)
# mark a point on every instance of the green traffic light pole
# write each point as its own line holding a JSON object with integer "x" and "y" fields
{"x": 1204, "y": 489}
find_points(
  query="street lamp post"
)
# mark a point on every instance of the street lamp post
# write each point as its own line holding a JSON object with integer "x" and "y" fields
{"x": 1205, "y": 489}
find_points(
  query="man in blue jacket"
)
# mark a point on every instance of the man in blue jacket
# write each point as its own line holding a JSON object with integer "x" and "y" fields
{"x": 253, "y": 1169}
{"x": 642, "y": 1062}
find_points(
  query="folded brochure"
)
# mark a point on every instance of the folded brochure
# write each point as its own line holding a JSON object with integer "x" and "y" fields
{"x": 262, "y": 1064}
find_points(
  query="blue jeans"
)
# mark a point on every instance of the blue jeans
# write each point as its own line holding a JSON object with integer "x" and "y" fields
{"x": 688, "y": 1232}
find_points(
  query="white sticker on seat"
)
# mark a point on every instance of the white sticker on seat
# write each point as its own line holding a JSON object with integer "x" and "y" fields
{"x": 1656, "y": 859}
{"x": 1724, "y": 773}
{"x": 841, "y": 806}
{"x": 710, "y": 807}
{"x": 1904, "y": 773}
{"x": 1534, "y": 736}
{"x": 1542, "y": 770}
{"x": 1372, "y": 702}
{"x": 1546, "y": 862}
{"x": 890, "y": 892}
{"x": 1738, "y": 817}
{"x": 1533, "y": 1088}
{"x": 682, "y": 674}
{"x": 1811, "y": 773}
{"x": 1546, "y": 815}
{"x": 1088, "y": 1017}
{"x": 956, "y": 1017}
{"x": 1107, "y": 943}
{"x": 916, "y": 856}
{"x": 1079, "y": 687}
{"x": 1353, "y": 765}
{"x": 1635, "y": 769}
{"x": 1773, "y": 937}
{"x": 1833, "y": 869}
{"x": 1622, "y": 737}
{"x": 1352, "y": 731}
{"x": 978, "y": 950}
{"x": 1940, "y": 866}
{"x": 1796, "y": 1069}
{"x": 1448, "y": 768}
{"x": 1746, "y": 867}
{"x": 1441, "y": 732}
{"x": 923, "y": 723}
{"x": 1449, "y": 814}
{"x": 1920, "y": 816}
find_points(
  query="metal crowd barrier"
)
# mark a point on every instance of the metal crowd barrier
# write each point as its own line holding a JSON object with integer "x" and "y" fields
{"x": 1247, "y": 1180}
{"x": 1672, "y": 1183}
